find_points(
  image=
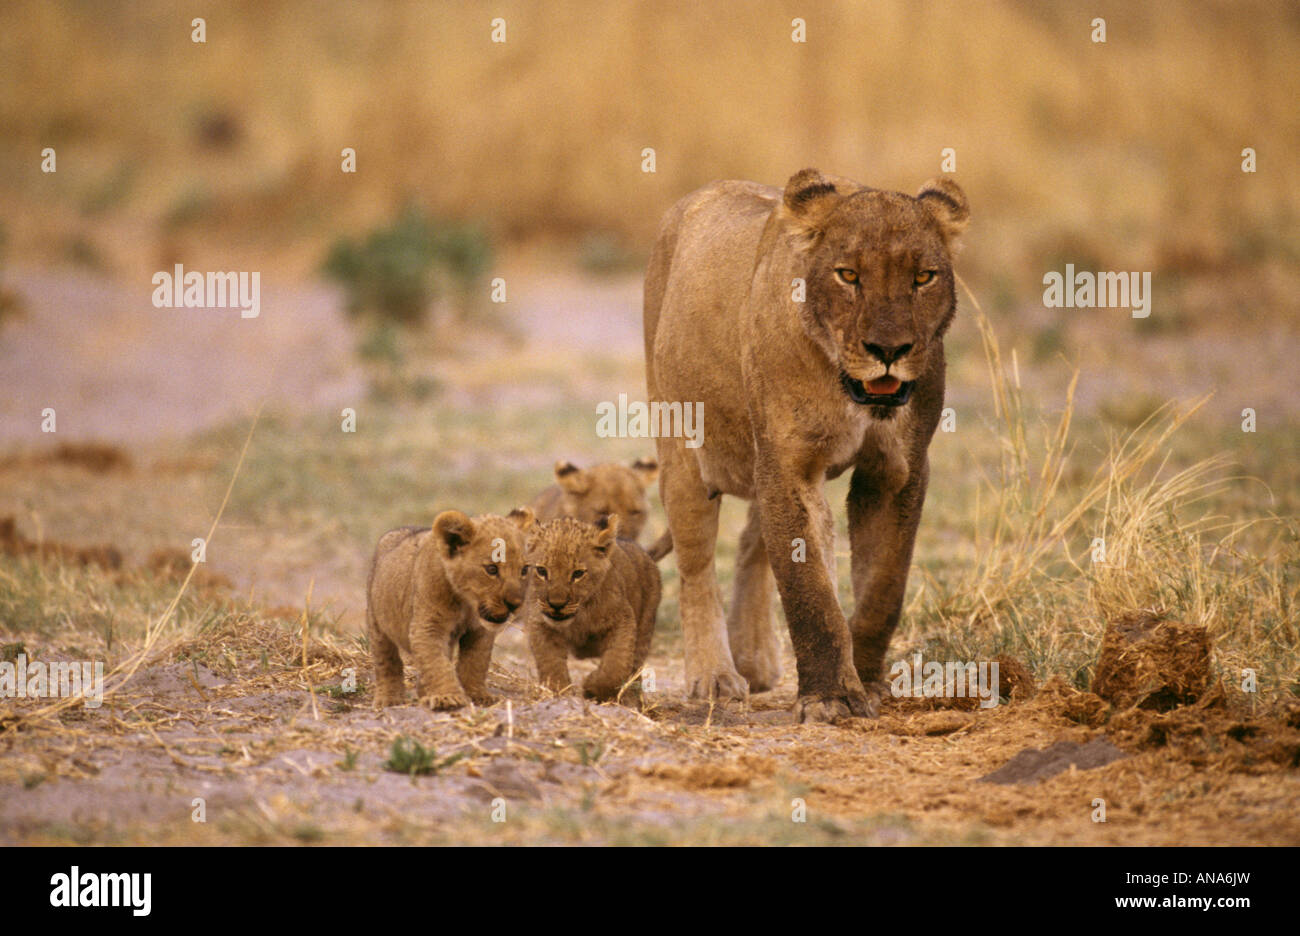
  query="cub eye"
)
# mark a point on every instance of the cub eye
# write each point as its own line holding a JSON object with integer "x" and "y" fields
{"x": 523, "y": 573}
{"x": 491, "y": 570}
{"x": 541, "y": 572}
{"x": 847, "y": 275}
{"x": 578, "y": 573}
{"x": 922, "y": 277}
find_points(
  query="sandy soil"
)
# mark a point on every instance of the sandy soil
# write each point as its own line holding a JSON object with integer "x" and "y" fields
{"x": 272, "y": 764}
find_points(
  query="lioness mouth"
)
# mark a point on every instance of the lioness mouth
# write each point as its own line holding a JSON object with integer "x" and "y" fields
{"x": 883, "y": 391}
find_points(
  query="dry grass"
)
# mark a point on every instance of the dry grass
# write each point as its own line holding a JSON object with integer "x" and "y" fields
{"x": 1124, "y": 155}
{"x": 1059, "y": 550}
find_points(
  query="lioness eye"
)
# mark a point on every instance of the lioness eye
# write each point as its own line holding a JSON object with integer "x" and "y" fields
{"x": 923, "y": 276}
{"x": 578, "y": 573}
{"x": 541, "y": 572}
{"x": 849, "y": 276}
{"x": 490, "y": 570}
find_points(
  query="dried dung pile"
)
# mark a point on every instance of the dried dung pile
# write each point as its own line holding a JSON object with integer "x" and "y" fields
{"x": 1152, "y": 664}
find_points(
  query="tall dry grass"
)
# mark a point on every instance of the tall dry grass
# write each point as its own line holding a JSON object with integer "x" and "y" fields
{"x": 1126, "y": 153}
{"x": 1055, "y": 560}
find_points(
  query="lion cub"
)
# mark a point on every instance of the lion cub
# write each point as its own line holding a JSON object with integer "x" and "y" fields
{"x": 588, "y": 494}
{"x": 590, "y": 595}
{"x": 432, "y": 590}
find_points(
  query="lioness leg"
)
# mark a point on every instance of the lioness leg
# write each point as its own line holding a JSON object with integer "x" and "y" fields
{"x": 749, "y": 622}
{"x": 792, "y": 509}
{"x": 882, "y": 531}
{"x": 693, "y": 521}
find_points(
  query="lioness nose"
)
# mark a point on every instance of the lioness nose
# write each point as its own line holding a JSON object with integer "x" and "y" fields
{"x": 886, "y": 354}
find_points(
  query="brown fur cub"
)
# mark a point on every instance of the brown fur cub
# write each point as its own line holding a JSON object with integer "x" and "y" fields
{"x": 588, "y": 494}
{"x": 435, "y": 590}
{"x": 590, "y": 594}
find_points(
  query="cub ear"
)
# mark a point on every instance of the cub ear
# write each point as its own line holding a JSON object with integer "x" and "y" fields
{"x": 454, "y": 530}
{"x": 522, "y": 517}
{"x": 646, "y": 470}
{"x": 572, "y": 478}
{"x": 608, "y": 527}
{"x": 809, "y": 197}
{"x": 945, "y": 200}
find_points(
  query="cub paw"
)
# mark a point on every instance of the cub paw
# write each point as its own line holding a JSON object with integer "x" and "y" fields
{"x": 482, "y": 698}
{"x": 386, "y": 696}
{"x": 440, "y": 703}
{"x": 604, "y": 690}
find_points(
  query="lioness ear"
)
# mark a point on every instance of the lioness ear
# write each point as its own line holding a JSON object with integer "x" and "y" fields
{"x": 809, "y": 198}
{"x": 572, "y": 478}
{"x": 608, "y": 532}
{"x": 945, "y": 200}
{"x": 454, "y": 529}
{"x": 522, "y": 517}
{"x": 646, "y": 470}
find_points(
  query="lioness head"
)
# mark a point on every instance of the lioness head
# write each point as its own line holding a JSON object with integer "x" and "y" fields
{"x": 484, "y": 560}
{"x": 878, "y": 272}
{"x": 568, "y": 559}
{"x": 591, "y": 494}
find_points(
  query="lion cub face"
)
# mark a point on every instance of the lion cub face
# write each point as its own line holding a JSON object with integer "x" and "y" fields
{"x": 484, "y": 560}
{"x": 567, "y": 561}
{"x": 879, "y": 278}
{"x": 591, "y": 494}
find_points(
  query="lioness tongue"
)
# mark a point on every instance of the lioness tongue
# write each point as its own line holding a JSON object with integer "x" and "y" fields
{"x": 886, "y": 384}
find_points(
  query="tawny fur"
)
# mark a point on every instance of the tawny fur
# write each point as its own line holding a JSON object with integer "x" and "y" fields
{"x": 441, "y": 595}
{"x": 591, "y": 494}
{"x": 608, "y": 611}
{"x": 776, "y": 376}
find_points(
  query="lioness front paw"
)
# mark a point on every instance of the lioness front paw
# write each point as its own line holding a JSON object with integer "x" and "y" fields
{"x": 450, "y": 700}
{"x": 828, "y": 707}
{"x": 718, "y": 685}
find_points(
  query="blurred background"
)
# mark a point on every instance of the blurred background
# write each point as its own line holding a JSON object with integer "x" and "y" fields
{"x": 523, "y": 160}
{"x": 1122, "y": 155}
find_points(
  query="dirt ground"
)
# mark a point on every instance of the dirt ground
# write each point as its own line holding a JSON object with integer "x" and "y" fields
{"x": 269, "y": 762}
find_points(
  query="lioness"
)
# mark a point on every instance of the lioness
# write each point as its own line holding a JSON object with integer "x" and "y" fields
{"x": 810, "y": 323}
{"x": 588, "y": 494}
{"x": 433, "y": 590}
{"x": 590, "y": 594}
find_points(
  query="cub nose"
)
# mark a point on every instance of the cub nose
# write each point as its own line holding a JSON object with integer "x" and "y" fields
{"x": 886, "y": 354}
{"x": 556, "y": 606}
